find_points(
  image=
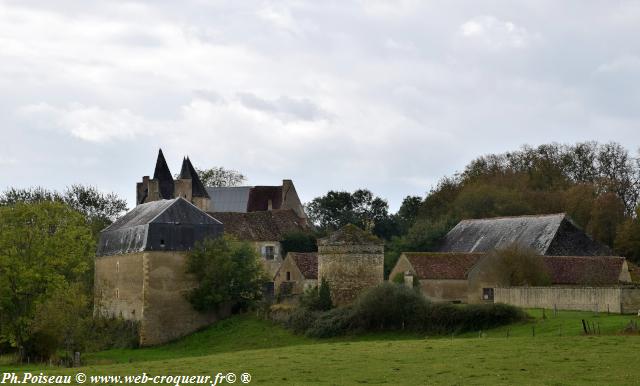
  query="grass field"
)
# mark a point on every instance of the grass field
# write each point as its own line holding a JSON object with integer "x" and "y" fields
{"x": 557, "y": 354}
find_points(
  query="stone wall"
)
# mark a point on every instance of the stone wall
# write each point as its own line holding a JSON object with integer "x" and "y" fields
{"x": 600, "y": 299}
{"x": 445, "y": 290}
{"x": 119, "y": 286}
{"x": 350, "y": 269}
{"x": 150, "y": 287}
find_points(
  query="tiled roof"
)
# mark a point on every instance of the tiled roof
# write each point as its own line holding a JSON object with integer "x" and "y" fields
{"x": 442, "y": 265}
{"x": 584, "y": 269}
{"x": 307, "y": 263}
{"x": 350, "y": 234}
{"x": 261, "y": 226}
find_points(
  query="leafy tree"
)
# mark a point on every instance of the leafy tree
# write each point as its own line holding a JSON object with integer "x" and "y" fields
{"x": 627, "y": 241}
{"x": 44, "y": 246}
{"x": 408, "y": 213}
{"x": 228, "y": 272}
{"x": 298, "y": 242}
{"x": 337, "y": 209}
{"x": 606, "y": 215}
{"x": 60, "y": 321}
{"x": 516, "y": 266}
{"x": 220, "y": 177}
{"x": 100, "y": 209}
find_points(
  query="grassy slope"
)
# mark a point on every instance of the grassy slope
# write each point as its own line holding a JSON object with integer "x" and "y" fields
{"x": 273, "y": 355}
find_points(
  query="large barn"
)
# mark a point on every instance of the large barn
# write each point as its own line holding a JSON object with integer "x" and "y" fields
{"x": 551, "y": 234}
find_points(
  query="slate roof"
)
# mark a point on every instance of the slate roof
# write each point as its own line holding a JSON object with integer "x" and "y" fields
{"x": 551, "y": 234}
{"x": 164, "y": 177}
{"x": 350, "y": 234}
{"x": 158, "y": 225}
{"x": 189, "y": 172}
{"x": 307, "y": 263}
{"x": 576, "y": 270}
{"x": 229, "y": 199}
{"x": 261, "y": 226}
{"x": 442, "y": 266}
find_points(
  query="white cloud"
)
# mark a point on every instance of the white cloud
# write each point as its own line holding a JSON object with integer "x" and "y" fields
{"x": 89, "y": 123}
{"x": 495, "y": 34}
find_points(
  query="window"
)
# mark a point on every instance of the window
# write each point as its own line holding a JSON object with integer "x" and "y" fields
{"x": 117, "y": 293}
{"x": 288, "y": 276}
{"x": 269, "y": 252}
{"x": 487, "y": 294}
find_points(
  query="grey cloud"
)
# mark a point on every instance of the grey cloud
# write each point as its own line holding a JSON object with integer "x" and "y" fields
{"x": 283, "y": 106}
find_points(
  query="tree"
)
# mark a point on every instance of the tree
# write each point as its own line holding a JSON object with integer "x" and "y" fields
{"x": 228, "y": 272}
{"x": 298, "y": 242}
{"x": 627, "y": 241}
{"x": 220, "y": 177}
{"x": 337, "y": 209}
{"x": 408, "y": 212}
{"x": 44, "y": 246}
{"x": 516, "y": 266}
{"x": 100, "y": 209}
{"x": 607, "y": 213}
{"x": 317, "y": 298}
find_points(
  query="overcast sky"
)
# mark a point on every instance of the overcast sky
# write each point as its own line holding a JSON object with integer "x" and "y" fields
{"x": 334, "y": 95}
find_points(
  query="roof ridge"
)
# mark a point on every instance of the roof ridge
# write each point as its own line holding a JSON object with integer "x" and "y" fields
{"x": 520, "y": 216}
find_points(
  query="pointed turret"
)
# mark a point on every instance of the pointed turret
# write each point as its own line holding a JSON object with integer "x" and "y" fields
{"x": 189, "y": 172}
{"x": 163, "y": 175}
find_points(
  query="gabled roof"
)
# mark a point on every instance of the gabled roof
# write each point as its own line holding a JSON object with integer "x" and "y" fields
{"x": 584, "y": 270}
{"x": 189, "y": 172}
{"x": 261, "y": 226}
{"x": 164, "y": 177}
{"x": 307, "y": 263}
{"x": 481, "y": 235}
{"x": 350, "y": 234}
{"x": 441, "y": 265}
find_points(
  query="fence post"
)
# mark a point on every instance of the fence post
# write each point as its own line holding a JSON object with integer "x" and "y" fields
{"x": 533, "y": 330}
{"x": 584, "y": 327}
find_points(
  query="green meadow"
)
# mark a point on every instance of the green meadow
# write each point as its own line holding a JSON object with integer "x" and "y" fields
{"x": 549, "y": 350}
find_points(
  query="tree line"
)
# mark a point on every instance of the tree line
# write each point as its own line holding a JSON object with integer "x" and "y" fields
{"x": 597, "y": 185}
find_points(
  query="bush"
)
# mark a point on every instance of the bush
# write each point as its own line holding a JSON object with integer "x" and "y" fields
{"x": 317, "y": 298}
{"x": 335, "y": 322}
{"x": 389, "y": 306}
{"x": 392, "y": 307}
{"x": 301, "y": 320}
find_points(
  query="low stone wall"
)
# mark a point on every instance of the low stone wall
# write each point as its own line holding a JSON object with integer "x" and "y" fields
{"x": 621, "y": 300}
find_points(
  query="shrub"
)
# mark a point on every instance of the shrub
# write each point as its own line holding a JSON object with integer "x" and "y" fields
{"x": 301, "y": 320}
{"x": 335, "y": 322}
{"x": 389, "y": 306}
{"x": 317, "y": 298}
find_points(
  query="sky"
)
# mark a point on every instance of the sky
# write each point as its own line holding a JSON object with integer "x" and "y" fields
{"x": 336, "y": 95}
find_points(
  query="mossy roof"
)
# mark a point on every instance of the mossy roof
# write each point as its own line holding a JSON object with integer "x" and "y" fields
{"x": 350, "y": 234}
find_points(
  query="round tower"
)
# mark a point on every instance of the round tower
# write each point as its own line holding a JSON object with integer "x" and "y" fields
{"x": 351, "y": 260}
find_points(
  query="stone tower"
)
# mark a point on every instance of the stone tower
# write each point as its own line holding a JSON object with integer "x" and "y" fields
{"x": 351, "y": 260}
{"x": 163, "y": 187}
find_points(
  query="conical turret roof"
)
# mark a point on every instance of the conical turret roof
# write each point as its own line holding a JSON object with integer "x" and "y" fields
{"x": 164, "y": 177}
{"x": 189, "y": 172}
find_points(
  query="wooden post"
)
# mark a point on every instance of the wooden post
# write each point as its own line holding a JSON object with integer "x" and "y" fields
{"x": 533, "y": 330}
{"x": 584, "y": 327}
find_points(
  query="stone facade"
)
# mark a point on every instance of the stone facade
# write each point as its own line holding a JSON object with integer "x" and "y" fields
{"x": 351, "y": 260}
{"x": 298, "y": 272}
{"x": 150, "y": 287}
